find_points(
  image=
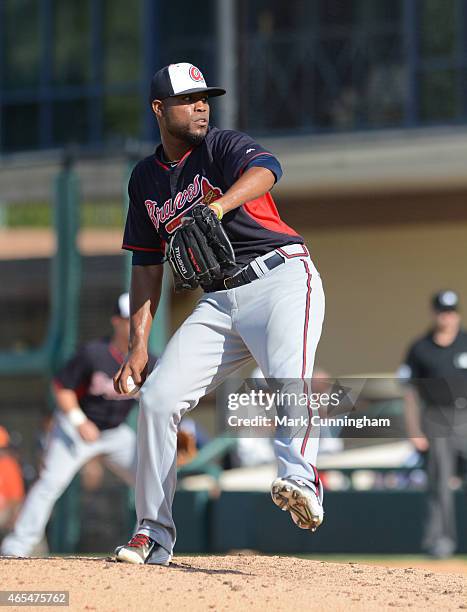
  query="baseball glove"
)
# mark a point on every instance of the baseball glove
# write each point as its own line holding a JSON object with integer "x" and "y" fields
{"x": 200, "y": 252}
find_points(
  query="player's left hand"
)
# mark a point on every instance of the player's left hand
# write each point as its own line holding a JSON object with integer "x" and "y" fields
{"x": 200, "y": 251}
{"x": 89, "y": 431}
{"x": 420, "y": 443}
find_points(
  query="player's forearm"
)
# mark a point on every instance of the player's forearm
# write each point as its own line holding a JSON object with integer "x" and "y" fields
{"x": 412, "y": 414}
{"x": 254, "y": 183}
{"x": 145, "y": 293}
{"x": 66, "y": 400}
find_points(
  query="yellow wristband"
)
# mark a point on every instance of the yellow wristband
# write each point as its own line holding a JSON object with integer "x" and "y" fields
{"x": 219, "y": 210}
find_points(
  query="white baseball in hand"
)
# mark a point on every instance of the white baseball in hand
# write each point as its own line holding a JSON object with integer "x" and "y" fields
{"x": 131, "y": 386}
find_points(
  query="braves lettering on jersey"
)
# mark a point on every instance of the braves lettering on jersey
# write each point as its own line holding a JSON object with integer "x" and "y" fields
{"x": 161, "y": 195}
{"x": 89, "y": 374}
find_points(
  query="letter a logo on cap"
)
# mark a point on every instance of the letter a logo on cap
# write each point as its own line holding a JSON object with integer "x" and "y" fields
{"x": 195, "y": 74}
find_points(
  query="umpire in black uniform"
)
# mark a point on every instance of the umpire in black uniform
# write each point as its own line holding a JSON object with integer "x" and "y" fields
{"x": 435, "y": 371}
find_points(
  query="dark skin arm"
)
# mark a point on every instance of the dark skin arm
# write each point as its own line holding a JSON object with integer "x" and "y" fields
{"x": 145, "y": 293}
{"x": 253, "y": 183}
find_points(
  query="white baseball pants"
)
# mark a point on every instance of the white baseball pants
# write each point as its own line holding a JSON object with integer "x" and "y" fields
{"x": 66, "y": 453}
{"x": 277, "y": 320}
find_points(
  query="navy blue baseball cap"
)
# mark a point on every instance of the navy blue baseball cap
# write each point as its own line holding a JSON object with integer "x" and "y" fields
{"x": 444, "y": 301}
{"x": 180, "y": 79}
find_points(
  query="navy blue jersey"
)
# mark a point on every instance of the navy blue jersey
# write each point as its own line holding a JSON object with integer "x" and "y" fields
{"x": 89, "y": 374}
{"x": 161, "y": 194}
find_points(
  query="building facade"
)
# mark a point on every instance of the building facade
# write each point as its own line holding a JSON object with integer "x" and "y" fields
{"x": 77, "y": 72}
{"x": 364, "y": 101}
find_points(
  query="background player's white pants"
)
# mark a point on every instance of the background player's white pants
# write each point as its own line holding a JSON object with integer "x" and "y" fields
{"x": 65, "y": 455}
{"x": 277, "y": 319}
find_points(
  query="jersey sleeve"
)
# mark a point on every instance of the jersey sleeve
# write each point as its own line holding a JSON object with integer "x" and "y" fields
{"x": 76, "y": 373}
{"x": 140, "y": 236}
{"x": 410, "y": 369}
{"x": 236, "y": 152}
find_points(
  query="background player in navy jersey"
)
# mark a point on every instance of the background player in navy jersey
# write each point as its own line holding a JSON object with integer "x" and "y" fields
{"x": 90, "y": 422}
{"x": 273, "y": 312}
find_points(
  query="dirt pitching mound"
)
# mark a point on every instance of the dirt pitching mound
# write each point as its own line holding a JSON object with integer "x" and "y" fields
{"x": 237, "y": 582}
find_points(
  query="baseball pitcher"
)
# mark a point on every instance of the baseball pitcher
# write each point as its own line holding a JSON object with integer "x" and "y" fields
{"x": 203, "y": 201}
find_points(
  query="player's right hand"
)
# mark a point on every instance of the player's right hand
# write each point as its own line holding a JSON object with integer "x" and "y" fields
{"x": 421, "y": 443}
{"x": 89, "y": 431}
{"x": 136, "y": 366}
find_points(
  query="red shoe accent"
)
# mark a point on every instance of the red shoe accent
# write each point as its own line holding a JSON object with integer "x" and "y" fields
{"x": 139, "y": 540}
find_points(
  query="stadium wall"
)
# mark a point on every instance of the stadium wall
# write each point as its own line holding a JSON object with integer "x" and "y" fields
{"x": 378, "y": 281}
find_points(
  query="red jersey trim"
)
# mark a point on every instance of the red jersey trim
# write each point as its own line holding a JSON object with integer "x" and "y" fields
{"x": 185, "y": 156}
{"x": 116, "y": 354}
{"x": 159, "y": 163}
{"x": 80, "y": 390}
{"x": 162, "y": 165}
{"x": 263, "y": 154}
{"x": 263, "y": 210}
{"x": 136, "y": 248}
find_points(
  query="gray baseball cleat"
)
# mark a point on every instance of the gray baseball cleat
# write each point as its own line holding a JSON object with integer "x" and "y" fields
{"x": 301, "y": 499}
{"x": 143, "y": 549}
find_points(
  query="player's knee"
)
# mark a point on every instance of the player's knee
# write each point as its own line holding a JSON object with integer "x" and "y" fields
{"x": 159, "y": 400}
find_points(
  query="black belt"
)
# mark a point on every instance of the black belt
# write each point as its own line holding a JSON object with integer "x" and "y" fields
{"x": 247, "y": 274}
